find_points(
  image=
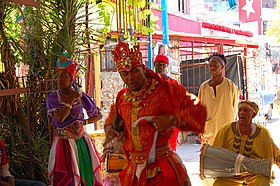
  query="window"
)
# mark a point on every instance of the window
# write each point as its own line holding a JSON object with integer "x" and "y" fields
{"x": 269, "y": 3}
{"x": 220, "y": 5}
{"x": 182, "y": 6}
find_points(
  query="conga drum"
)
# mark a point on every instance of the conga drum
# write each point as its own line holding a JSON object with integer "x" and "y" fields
{"x": 220, "y": 162}
{"x": 115, "y": 162}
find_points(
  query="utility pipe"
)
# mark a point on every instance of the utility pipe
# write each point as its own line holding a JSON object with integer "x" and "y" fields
{"x": 164, "y": 20}
{"x": 150, "y": 38}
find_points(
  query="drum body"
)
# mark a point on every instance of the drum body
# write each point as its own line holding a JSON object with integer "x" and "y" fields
{"x": 220, "y": 162}
{"x": 115, "y": 162}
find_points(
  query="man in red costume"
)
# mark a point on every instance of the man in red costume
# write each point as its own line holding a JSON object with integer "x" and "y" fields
{"x": 161, "y": 64}
{"x": 150, "y": 108}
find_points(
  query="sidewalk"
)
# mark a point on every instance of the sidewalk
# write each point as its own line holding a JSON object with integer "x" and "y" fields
{"x": 189, "y": 153}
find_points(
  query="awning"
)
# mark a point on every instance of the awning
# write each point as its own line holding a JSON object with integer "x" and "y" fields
{"x": 196, "y": 38}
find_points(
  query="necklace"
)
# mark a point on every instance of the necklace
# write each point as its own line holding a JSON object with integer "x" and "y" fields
{"x": 142, "y": 94}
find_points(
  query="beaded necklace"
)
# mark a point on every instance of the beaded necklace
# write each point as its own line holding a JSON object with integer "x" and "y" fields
{"x": 147, "y": 89}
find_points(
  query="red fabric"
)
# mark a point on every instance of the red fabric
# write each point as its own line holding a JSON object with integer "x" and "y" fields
{"x": 171, "y": 80}
{"x": 72, "y": 69}
{"x": 162, "y": 179}
{"x": 174, "y": 139}
{"x": 162, "y": 59}
{"x": 3, "y": 154}
{"x": 161, "y": 98}
{"x": 62, "y": 175}
{"x": 248, "y": 13}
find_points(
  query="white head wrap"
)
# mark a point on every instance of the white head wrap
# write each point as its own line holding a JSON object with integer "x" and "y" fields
{"x": 219, "y": 59}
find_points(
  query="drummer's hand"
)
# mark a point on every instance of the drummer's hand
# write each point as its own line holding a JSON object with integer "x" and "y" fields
{"x": 110, "y": 132}
{"x": 163, "y": 122}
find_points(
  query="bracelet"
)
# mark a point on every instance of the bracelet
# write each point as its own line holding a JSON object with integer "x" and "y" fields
{"x": 86, "y": 121}
{"x": 172, "y": 119}
{"x": 68, "y": 105}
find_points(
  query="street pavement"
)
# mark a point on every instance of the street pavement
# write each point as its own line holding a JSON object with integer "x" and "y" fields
{"x": 189, "y": 153}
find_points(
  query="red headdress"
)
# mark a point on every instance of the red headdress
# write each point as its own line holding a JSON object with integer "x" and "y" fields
{"x": 126, "y": 58}
{"x": 67, "y": 64}
{"x": 162, "y": 59}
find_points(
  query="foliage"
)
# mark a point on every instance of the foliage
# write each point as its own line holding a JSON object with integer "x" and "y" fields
{"x": 132, "y": 22}
{"x": 37, "y": 41}
{"x": 36, "y": 37}
{"x": 143, "y": 15}
{"x": 106, "y": 13}
{"x": 273, "y": 27}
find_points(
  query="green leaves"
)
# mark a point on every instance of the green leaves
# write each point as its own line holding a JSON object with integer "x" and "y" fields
{"x": 274, "y": 29}
{"x": 106, "y": 11}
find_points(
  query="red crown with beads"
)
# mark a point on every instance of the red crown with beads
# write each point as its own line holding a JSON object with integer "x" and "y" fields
{"x": 127, "y": 58}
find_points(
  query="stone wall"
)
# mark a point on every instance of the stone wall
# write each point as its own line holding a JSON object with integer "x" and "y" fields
{"x": 111, "y": 84}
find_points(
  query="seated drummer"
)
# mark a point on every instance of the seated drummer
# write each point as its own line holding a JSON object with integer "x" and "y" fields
{"x": 249, "y": 139}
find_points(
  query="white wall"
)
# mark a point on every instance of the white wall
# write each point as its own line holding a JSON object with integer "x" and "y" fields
{"x": 270, "y": 14}
{"x": 172, "y": 6}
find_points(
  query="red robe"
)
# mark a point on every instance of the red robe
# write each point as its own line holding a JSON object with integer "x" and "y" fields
{"x": 174, "y": 139}
{"x": 157, "y": 97}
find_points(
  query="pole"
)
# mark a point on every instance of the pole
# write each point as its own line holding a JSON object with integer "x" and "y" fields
{"x": 164, "y": 20}
{"x": 150, "y": 47}
{"x": 245, "y": 75}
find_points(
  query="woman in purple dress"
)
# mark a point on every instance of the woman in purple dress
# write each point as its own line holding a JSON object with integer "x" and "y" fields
{"x": 73, "y": 159}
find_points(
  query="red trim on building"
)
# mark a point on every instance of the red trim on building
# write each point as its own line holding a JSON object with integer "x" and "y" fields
{"x": 179, "y": 24}
{"x": 208, "y": 39}
{"x": 226, "y": 29}
{"x": 26, "y": 2}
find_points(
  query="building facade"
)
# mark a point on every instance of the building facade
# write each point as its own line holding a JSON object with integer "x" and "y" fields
{"x": 197, "y": 28}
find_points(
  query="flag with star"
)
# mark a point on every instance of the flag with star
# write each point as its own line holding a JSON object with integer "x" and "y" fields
{"x": 249, "y": 10}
